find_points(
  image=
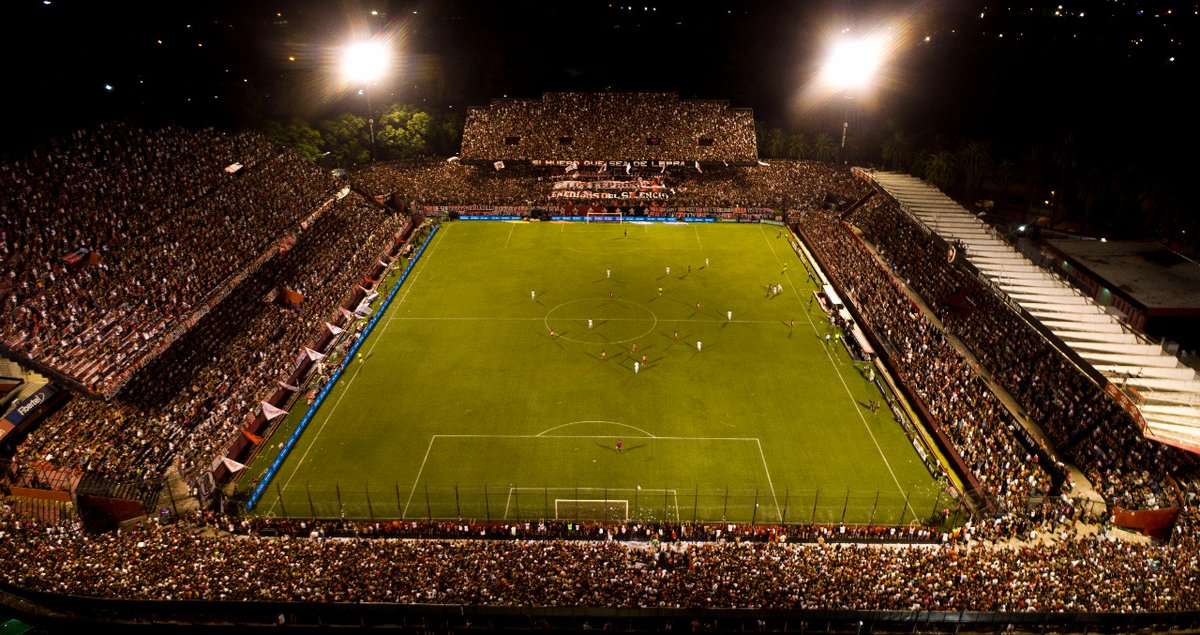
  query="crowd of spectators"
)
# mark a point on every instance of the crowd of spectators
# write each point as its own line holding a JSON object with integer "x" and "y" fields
{"x": 115, "y": 235}
{"x": 227, "y": 559}
{"x": 187, "y": 405}
{"x": 187, "y": 226}
{"x": 615, "y": 126}
{"x": 1086, "y": 426}
{"x": 1001, "y": 455}
{"x": 781, "y": 185}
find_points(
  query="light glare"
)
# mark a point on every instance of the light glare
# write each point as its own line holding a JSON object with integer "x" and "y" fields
{"x": 853, "y": 63}
{"x": 365, "y": 61}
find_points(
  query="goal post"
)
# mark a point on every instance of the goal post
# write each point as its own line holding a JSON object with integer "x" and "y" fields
{"x": 590, "y": 509}
{"x": 604, "y": 217}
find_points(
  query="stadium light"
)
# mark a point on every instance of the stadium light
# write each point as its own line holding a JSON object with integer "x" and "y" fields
{"x": 850, "y": 68}
{"x": 852, "y": 63}
{"x": 365, "y": 63}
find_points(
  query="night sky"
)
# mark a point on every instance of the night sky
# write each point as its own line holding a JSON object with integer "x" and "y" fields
{"x": 1111, "y": 72}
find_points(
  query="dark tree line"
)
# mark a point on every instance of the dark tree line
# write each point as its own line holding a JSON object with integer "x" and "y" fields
{"x": 1067, "y": 183}
{"x": 401, "y": 131}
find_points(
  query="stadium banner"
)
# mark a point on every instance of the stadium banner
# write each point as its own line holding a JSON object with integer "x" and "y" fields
{"x": 269, "y": 475}
{"x": 600, "y": 195}
{"x": 639, "y": 184}
{"x": 564, "y": 163}
{"x": 1126, "y": 404}
{"x": 30, "y": 404}
{"x": 639, "y": 189}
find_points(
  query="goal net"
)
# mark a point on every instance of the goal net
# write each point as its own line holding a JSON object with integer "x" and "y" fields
{"x": 604, "y": 217}
{"x": 583, "y": 509}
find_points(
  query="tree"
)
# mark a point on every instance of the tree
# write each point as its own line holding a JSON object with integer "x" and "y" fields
{"x": 447, "y": 134}
{"x": 896, "y": 149}
{"x": 941, "y": 169}
{"x": 298, "y": 135}
{"x": 777, "y": 141}
{"x": 823, "y": 147}
{"x": 975, "y": 161}
{"x": 797, "y": 146}
{"x": 347, "y": 140}
{"x": 404, "y": 132}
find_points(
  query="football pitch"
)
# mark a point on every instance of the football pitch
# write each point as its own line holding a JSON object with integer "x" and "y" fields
{"x": 602, "y": 371}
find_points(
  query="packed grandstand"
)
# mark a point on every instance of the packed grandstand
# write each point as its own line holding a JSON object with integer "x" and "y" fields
{"x": 178, "y": 287}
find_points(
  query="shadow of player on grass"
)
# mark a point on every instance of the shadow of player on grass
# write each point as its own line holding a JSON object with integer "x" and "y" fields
{"x": 611, "y": 447}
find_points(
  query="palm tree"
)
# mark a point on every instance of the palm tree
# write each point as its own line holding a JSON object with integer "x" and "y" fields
{"x": 1003, "y": 176}
{"x": 823, "y": 147}
{"x": 941, "y": 169}
{"x": 777, "y": 142}
{"x": 975, "y": 161}
{"x": 896, "y": 149}
{"x": 797, "y": 145}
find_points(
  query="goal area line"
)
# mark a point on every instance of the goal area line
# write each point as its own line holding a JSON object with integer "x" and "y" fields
{"x": 753, "y": 454}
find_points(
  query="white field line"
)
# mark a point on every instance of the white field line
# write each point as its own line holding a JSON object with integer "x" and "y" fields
{"x": 838, "y": 372}
{"x": 346, "y": 389}
{"x": 429, "y": 449}
{"x": 542, "y": 319}
{"x": 770, "y": 483}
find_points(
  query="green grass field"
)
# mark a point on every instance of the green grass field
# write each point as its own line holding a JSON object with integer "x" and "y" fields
{"x": 467, "y": 407}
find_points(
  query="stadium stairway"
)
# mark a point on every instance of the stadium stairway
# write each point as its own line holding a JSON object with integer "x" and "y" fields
{"x": 47, "y": 511}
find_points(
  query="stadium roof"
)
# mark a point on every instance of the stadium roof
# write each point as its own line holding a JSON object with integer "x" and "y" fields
{"x": 1103, "y": 346}
{"x": 1147, "y": 273}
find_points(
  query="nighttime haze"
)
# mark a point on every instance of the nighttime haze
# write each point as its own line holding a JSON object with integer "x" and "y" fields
{"x": 1110, "y": 73}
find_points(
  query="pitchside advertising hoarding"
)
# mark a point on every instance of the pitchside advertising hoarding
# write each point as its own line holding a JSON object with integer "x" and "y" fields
{"x": 24, "y": 410}
{"x": 659, "y": 215}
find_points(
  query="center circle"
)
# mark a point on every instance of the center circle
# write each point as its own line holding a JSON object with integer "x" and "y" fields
{"x": 612, "y": 321}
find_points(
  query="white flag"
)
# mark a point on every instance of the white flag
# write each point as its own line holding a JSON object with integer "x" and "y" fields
{"x": 270, "y": 412}
{"x": 627, "y": 167}
{"x": 764, "y": 164}
{"x": 233, "y": 466}
{"x": 334, "y": 329}
{"x": 499, "y": 165}
{"x": 313, "y": 355}
{"x": 453, "y": 159}
{"x": 698, "y": 167}
{"x": 603, "y": 167}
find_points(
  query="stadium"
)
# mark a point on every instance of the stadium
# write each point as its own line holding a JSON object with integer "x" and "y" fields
{"x": 766, "y": 371}
{"x": 607, "y": 366}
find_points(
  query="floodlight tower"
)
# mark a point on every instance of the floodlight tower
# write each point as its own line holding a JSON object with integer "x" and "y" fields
{"x": 850, "y": 69}
{"x": 364, "y": 64}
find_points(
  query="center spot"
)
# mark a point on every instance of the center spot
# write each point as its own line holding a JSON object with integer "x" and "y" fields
{"x": 613, "y": 321}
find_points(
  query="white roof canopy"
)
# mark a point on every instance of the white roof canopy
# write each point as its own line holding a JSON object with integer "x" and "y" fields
{"x": 1170, "y": 388}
